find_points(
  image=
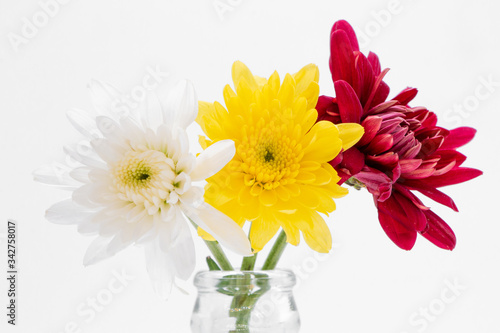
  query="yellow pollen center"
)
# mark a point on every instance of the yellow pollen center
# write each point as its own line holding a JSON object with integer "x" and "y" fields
{"x": 269, "y": 157}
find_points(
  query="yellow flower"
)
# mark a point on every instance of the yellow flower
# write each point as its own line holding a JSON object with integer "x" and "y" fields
{"x": 279, "y": 176}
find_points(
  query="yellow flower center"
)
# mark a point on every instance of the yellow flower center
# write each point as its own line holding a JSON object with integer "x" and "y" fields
{"x": 269, "y": 158}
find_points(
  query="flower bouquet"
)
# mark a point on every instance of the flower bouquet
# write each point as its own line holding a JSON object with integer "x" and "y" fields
{"x": 275, "y": 156}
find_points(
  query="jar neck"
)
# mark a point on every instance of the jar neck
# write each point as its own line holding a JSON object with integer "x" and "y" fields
{"x": 208, "y": 280}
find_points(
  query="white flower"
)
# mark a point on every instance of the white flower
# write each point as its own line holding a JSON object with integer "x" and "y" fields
{"x": 135, "y": 183}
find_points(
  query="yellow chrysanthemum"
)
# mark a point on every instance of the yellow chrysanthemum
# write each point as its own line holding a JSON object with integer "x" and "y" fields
{"x": 280, "y": 176}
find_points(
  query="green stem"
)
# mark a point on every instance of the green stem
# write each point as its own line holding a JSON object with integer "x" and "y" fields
{"x": 217, "y": 252}
{"x": 212, "y": 265}
{"x": 276, "y": 252}
{"x": 248, "y": 263}
{"x": 219, "y": 255}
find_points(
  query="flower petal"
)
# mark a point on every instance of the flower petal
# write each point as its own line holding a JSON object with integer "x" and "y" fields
{"x": 83, "y": 122}
{"x": 458, "y": 137}
{"x": 106, "y": 98}
{"x": 438, "y": 232}
{"x": 431, "y": 192}
{"x": 180, "y": 106}
{"x": 346, "y": 27}
{"x": 406, "y": 96}
{"x": 239, "y": 72}
{"x": 161, "y": 270}
{"x": 97, "y": 251}
{"x": 221, "y": 227}
{"x": 397, "y": 232}
{"x": 454, "y": 176}
{"x": 67, "y": 212}
{"x": 349, "y": 106}
{"x": 341, "y": 57}
{"x": 350, "y": 133}
{"x": 213, "y": 159}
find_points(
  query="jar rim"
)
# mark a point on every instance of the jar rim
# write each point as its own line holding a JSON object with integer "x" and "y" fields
{"x": 282, "y": 278}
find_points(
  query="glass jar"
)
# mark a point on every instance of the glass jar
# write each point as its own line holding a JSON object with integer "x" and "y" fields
{"x": 245, "y": 302}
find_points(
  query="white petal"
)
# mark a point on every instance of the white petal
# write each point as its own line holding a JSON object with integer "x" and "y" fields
{"x": 107, "y": 151}
{"x": 88, "y": 195}
{"x": 221, "y": 227}
{"x": 80, "y": 174}
{"x": 109, "y": 225}
{"x": 88, "y": 227}
{"x": 67, "y": 212}
{"x": 83, "y": 122}
{"x": 97, "y": 251}
{"x": 183, "y": 182}
{"x": 120, "y": 241}
{"x": 150, "y": 234}
{"x": 180, "y": 107}
{"x": 107, "y": 99}
{"x": 182, "y": 252}
{"x": 185, "y": 163}
{"x": 213, "y": 159}
{"x": 56, "y": 174}
{"x": 85, "y": 155}
{"x": 193, "y": 197}
{"x": 161, "y": 270}
{"x": 151, "y": 112}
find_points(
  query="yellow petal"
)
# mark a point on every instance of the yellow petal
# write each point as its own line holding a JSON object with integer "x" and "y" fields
{"x": 304, "y": 77}
{"x": 308, "y": 197}
{"x": 286, "y": 94}
{"x": 268, "y": 198}
{"x": 262, "y": 231}
{"x": 317, "y": 235}
{"x": 350, "y": 134}
{"x": 322, "y": 177}
{"x": 241, "y": 72}
{"x": 292, "y": 232}
{"x": 322, "y": 142}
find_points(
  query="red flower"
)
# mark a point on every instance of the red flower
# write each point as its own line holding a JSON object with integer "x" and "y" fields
{"x": 402, "y": 150}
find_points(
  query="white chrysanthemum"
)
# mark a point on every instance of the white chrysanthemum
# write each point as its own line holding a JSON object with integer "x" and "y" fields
{"x": 136, "y": 183}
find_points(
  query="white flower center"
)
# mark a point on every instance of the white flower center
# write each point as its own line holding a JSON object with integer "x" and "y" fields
{"x": 148, "y": 179}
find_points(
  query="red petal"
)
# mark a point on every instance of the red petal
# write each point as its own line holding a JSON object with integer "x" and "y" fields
{"x": 349, "y": 106}
{"x": 389, "y": 159}
{"x": 432, "y": 193}
{"x": 438, "y": 232}
{"x": 379, "y": 144}
{"x": 378, "y": 90}
{"x": 409, "y": 165}
{"x": 454, "y": 176}
{"x": 382, "y": 107}
{"x": 399, "y": 234}
{"x": 342, "y": 57}
{"x": 448, "y": 156}
{"x": 364, "y": 77}
{"x": 353, "y": 160}
{"x": 376, "y": 182}
{"x": 371, "y": 125}
{"x": 373, "y": 59}
{"x": 324, "y": 103}
{"x": 380, "y": 95}
{"x": 429, "y": 146}
{"x": 406, "y": 96}
{"x": 346, "y": 27}
{"x": 401, "y": 188}
{"x": 413, "y": 215}
{"x": 458, "y": 137}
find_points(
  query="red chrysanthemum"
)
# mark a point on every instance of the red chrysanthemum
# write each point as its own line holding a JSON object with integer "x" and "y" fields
{"x": 402, "y": 150}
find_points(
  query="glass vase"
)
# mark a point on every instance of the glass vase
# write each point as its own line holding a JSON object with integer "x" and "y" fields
{"x": 245, "y": 302}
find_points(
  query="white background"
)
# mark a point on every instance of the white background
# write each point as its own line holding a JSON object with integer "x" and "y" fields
{"x": 367, "y": 284}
